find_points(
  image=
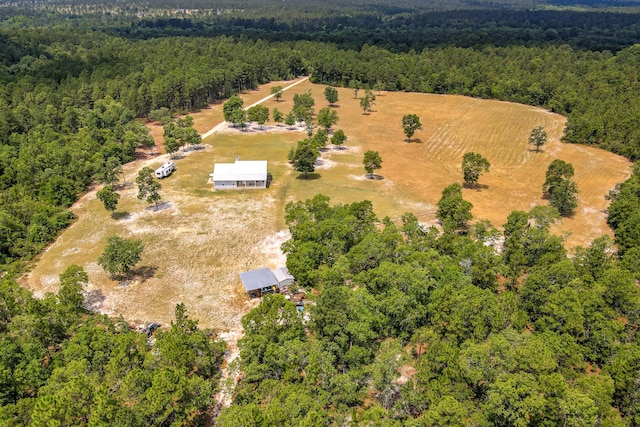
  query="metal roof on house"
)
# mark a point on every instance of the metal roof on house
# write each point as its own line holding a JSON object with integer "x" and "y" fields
{"x": 282, "y": 274}
{"x": 258, "y": 279}
{"x": 240, "y": 170}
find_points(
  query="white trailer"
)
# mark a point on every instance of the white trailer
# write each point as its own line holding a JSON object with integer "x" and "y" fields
{"x": 165, "y": 170}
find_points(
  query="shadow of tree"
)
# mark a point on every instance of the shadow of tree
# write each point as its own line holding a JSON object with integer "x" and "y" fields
{"x": 123, "y": 185}
{"x": 310, "y": 176}
{"x": 93, "y": 300}
{"x": 144, "y": 272}
{"x": 120, "y": 215}
{"x": 476, "y": 186}
{"x": 160, "y": 206}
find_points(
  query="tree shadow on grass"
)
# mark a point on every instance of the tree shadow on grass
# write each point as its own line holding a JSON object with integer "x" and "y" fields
{"x": 123, "y": 185}
{"x": 309, "y": 177}
{"x": 160, "y": 206}
{"x": 93, "y": 300}
{"x": 197, "y": 147}
{"x": 477, "y": 187}
{"x": 535, "y": 150}
{"x": 120, "y": 215}
{"x": 414, "y": 140}
{"x": 144, "y": 272}
{"x": 374, "y": 177}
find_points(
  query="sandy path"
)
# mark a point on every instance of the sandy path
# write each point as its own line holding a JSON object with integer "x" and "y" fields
{"x": 222, "y": 125}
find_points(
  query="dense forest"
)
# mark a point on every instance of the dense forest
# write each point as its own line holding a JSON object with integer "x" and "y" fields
{"x": 409, "y": 326}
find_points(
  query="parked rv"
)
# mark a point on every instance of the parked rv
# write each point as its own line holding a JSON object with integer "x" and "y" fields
{"x": 165, "y": 170}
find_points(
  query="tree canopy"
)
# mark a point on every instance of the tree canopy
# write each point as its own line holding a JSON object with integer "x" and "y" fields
{"x": 538, "y": 137}
{"x": 453, "y": 211}
{"x": 473, "y": 164}
{"x": 410, "y": 124}
{"x": 305, "y": 157}
{"x": 371, "y": 161}
{"x": 148, "y": 186}
{"x": 327, "y": 117}
{"x": 559, "y": 188}
{"x": 331, "y": 95}
{"x": 120, "y": 255}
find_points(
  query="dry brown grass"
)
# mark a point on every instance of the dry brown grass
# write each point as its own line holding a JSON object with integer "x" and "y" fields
{"x": 201, "y": 240}
{"x": 454, "y": 125}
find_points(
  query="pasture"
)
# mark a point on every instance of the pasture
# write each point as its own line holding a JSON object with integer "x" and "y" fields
{"x": 199, "y": 240}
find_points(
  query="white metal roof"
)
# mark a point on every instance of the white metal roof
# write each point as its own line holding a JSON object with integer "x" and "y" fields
{"x": 241, "y": 170}
{"x": 282, "y": 274}
{"x": 257, "y": 279}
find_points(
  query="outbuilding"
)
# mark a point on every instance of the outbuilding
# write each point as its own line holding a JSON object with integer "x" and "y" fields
{"x": 240, "y": 174}
{"x": 284, "y": 278}
{"x": 264, "y": 281}
{"x": 259, "y": 282}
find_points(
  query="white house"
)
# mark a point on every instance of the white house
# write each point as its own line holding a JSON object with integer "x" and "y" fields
{"x": 240, "y": 174}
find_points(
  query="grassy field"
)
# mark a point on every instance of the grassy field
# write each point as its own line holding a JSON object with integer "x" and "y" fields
{"x": 199, "y": 240}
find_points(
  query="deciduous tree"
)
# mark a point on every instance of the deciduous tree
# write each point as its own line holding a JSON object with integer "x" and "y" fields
{"x": 473, "y": 164}
{"x": 120, "y": 255}
{"x": 276, "y": 91}
{"x": 259, "y": 114}
{"x": 559, "y": 188}
{"x": 233, "y": 111}
{"x": 71, "y": 285}
{"x": 180, "y": 132}
{"x": 371, "y": 161}
{"x": 109, "y": 198}
{"x": 453, "y": 211}
{"x": 290, "y": 119}
{"x": 277, "y": 116}
{"x": 538, "y": 137}
{"x": 338, "y": 138}
{"x": 331, "y": 95}
{"x": 305, "y": 158}
{"x": 327, "y": 117}
{"x": 410, "y": 124}
{"x": 303, "y": 106}
{"x": 356, "y": 85}
{"x": 320, "y": 139}
{"x": 367, "y": 101}
{"x": 148, "y": 186}
{"x": 107, "y": 170}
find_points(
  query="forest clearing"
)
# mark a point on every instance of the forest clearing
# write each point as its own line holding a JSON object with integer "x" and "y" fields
{"x": 199, "y": 240}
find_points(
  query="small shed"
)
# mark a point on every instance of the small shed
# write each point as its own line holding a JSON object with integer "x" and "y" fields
{"x": 240, "y": 174}
{"x": 284, "y": 278}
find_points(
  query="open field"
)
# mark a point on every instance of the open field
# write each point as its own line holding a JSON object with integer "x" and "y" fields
{"x": 199, "y": 240}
